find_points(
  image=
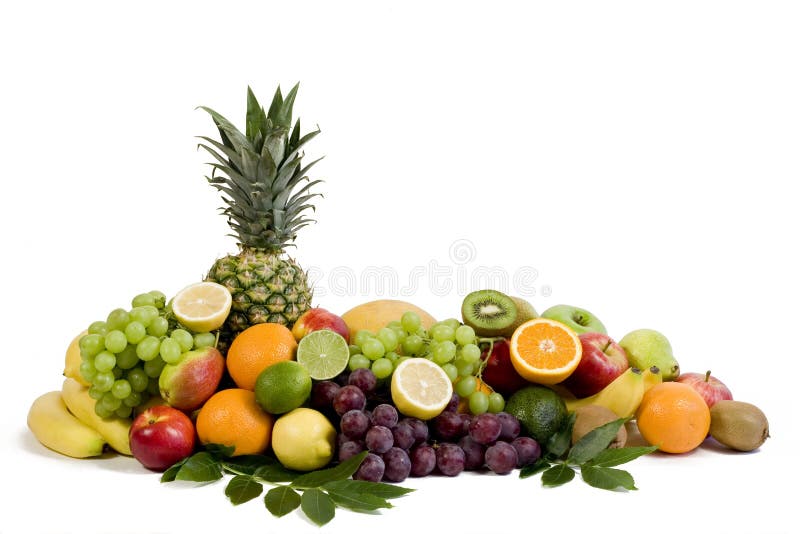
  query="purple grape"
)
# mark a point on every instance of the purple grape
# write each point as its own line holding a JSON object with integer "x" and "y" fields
{"x": 450, "y": 459}
{"x": 528, "y": 450}
{"x": 452, "y": 406}
{"x": 384, "y": 415}
{"x": 323, "y": 393}
{"x": 348, "y": 449}
{"x": 341, "y": 439}
{"x": 403, "y": 435}
{"x": 501, "y": 458}
{"x": 379, "y": 439}
{"x": 448, "y": 426}
{"x": 363, "y": 379}
{"x": 420, "y": 429}
{"x": 473, "y": 453}
{"x": 423, "y": 460}
{"x": 398, "y": 465}
{"x": 466, "y": 419}
{"x": 354, "y": 424}
{"x": 349, "y": 398}
{"x": 510, "y": 426}
{"x": 371, "y": 469}
{"x": 485, "y": 428}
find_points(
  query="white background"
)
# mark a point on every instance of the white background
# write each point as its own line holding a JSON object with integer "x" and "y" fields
{"x": 641, "y": 158}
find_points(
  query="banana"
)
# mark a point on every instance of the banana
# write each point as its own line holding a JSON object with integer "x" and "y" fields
{"x": 622, "y": 396}
{"x": 652, "y": 377}
{"x": 114, "y": 430}
{"x": 72, "y": 360}
{"x": 59, "y": 430}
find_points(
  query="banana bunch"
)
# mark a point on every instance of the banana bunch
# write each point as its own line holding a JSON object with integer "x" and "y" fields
{"x": 624, "y": 394}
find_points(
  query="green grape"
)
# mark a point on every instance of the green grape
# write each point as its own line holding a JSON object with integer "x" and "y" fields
{"x": 116, "y": 341}
{"x": 152, "y": 368}
{"x": 152, "y": 387}
{"x": 135, "y": 332}
{"x": 118, "y": 319}
{"x": 87, "y": 370}
{"x": 95, "y": 393}
{"x": 143, "y": 299}
{"x": 101, "y": 411}
{"x": 388, "y": 338}
{"x": 123, "y": 411}
{"x": 451, "y": 371}
{"x": 382, "y": 368}
{"x": 391, "y": 356}
{"x": 103, "y": 381}
{"x": 92, "y": 344}
{"x": 110, "y": 402}
{"x": 443, "y": 332}
{"x": 161, "y": 299}
{"x": 471, "y": 353}
{"x": 361, "y": 336}
{"x": 478, "y": 402}
{"x": 147, "y": 349}
{"x": 466, "y": 386}
{"x": 354, "y": 349}
{"x": 98, "y": 327}
{"x": 158, "y": 327}
{"x": 206, "y": 339}
{"x": 400, "y": 360}
{"x": 465, "y": 335}
{"x": 105, "y": 361}
{"x": 170, "y": 350}
{"x": 121, "y": 389}
{"x": 138, "y": 379}
{"x": 394, "y": 325}
{"x": 133, "y": 400}
{"x": 496, "y": 402}
{"x": 184, "y": 339}
{"x": 127, "y": 359}
{"x": 117, "y": 372}
{"x": 410, "y": 322}
{"x": 358, "y": 361}
{"x": 452, "y": 323}
{"x": 464, "y": 368}
{"x": 412, "y": 345}
{"x": 444, "y": 352}
{"x": 144, "y": 314}
{"x": 373, "y": 349}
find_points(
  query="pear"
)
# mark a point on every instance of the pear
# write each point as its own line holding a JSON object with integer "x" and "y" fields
{"x": 647, "y": 348}
{"x": 187, "y": 384}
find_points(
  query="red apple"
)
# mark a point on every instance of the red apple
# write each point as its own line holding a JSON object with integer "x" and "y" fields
{"x": 711, "y": 389}
{"x": 186, "y": 385}
{"x": 161, "y": 436}
{"x": 319, "y": 319}
{"x": 499, "y": 372}
{"x": 602, "y": 361}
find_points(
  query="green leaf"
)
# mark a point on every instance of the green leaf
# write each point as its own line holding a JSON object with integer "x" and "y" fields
{"x": 220, "y": 451}
{"x": 607, "y": 478}
{"x": 537, "y": 467}
{"x": 172, "y": 471}
{"x": 612, "y": 457}
{"x": 243, "y": 488}
{"x": 247, "y": 464}
{"x": 275, "y": 473}
{"x": 281, "y": 500}
{"x": 359, "y": 501}
{"x": 594, "y": 442}
{"x": 558, "y": 475}
{"x": 558, "y": 444}
{"x": 200, "y": 467}
{"x": 318, "y": 506}
{"x": 379, "y": 489}
{"x": 343, "y": 471}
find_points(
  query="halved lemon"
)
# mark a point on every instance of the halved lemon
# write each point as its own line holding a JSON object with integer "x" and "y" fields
{"x": 420, "y": 388}
{"x": 202, "y": 307}
{"x": 545, "y": 351}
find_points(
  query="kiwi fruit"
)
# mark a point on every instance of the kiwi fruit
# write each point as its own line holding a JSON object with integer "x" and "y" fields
{"x": 738, "y": 425}
{"x": 525, "y": 312}
{"x": 488, "y": 312}
{"x": 587, "y": 418}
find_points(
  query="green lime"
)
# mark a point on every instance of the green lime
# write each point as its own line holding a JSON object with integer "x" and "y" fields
{"x": 324, "y": 353}
{"x": 540, "y": 411}
{"x": 282, "y": 387}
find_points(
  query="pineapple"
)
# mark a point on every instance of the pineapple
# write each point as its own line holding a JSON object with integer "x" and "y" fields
{"x": 259, "y": 175}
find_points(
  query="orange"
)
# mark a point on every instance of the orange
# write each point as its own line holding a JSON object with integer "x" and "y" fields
{"x": 674, "y": 417}
{"x": 255, "y": 349}
{"x": 545, "y": 351}
{"x": 232, "y": 417}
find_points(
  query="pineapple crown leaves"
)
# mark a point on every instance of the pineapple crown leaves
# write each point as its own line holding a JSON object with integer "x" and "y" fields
{"x": 259, "y": 172}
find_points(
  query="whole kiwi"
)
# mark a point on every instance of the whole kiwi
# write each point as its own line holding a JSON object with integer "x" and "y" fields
{"x": 587, "y": 418}
{"x": 739, "y": 425}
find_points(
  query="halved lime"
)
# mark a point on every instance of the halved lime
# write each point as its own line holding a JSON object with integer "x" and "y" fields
{"x": 324, "y": 353}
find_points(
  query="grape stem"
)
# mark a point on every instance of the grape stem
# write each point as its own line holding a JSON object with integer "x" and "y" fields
{"x": 483, "y": 341}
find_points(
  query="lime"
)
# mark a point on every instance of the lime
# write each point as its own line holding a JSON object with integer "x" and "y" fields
{"x": 540, "y": 411}
{"x": 282, "y": 387}
{"x": 420, "y": 388}
{"x": 303, "y": 440}
{"x": 202, "y": 307}
{"x": 324, "y": 353}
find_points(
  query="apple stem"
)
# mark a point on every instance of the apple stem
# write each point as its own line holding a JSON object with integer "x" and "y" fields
{"x": 708, "y": 375}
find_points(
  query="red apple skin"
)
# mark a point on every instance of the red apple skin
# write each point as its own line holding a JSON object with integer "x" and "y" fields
{"x": 499, "y": 372}
{"x": 710, "y": 388}
{"x": 191, "y": 382}
{"x": 161, "y": 436}
{"x": 320, "y": 319}
{"x": 602, "y": 361}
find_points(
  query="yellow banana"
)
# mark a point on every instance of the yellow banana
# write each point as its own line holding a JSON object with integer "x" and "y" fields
{"x": 114, "y": 430}
{"x": 72, "y": 360}
{"x": 622, "y": 396}
{"x": 652, "y": 377}
{"x": 59, "y": 430}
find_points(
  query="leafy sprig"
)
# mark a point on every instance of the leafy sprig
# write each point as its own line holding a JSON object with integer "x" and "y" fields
{"x": 590, "y": 455}
{"x": 317, "y": 493}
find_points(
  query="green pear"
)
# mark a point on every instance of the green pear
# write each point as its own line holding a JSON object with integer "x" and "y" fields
{"x": 646, "y": 348}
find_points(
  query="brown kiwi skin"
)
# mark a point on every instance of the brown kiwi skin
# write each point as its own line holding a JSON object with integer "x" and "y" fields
{"x": 587, "y": 418}
{"x": 738, "y": 425}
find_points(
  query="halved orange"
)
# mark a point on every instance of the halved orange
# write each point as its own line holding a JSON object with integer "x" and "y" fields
{"x": 545, "y": 351}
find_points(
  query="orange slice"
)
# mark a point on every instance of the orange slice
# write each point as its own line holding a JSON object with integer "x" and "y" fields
{"x": 545, "y": 351}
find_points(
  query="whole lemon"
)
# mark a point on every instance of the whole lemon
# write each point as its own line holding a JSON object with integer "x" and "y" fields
{"x": 303, "y": 440}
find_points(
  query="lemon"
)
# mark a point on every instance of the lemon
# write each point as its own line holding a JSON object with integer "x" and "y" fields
{"x": 303, "y": 440}
{"x": 282, "y": 387}
{"x": 324, "y": 353}
{"x": 202, "y": 307}
{"x": 420, "y": 388}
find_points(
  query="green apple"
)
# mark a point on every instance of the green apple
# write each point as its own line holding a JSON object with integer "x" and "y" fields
{"x": 646, "y": 348}
{"x": 580, "y": 320}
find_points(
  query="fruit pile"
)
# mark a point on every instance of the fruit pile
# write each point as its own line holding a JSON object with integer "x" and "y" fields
{"x": 239, "y": 374}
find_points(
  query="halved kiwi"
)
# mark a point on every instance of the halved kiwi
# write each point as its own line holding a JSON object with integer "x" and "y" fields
{"x": 488, "y": 312}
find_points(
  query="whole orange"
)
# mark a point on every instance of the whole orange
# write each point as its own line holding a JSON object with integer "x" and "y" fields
{"x": 255, "y": 349}
{"x": 674, "y": 417}
{"x": 232, "y": 417}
